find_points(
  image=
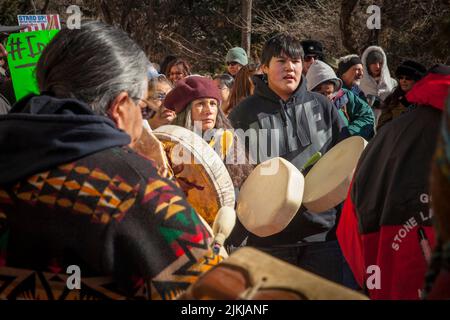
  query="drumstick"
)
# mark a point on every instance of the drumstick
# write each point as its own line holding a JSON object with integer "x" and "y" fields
{"x": 222, "y": 226}
{"x": 314, "y": 158}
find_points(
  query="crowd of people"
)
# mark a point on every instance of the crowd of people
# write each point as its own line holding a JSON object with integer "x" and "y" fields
{"x": 75, "y": 188}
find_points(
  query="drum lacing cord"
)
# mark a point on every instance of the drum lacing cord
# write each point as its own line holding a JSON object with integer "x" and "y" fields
{"x": 250, "y": 292}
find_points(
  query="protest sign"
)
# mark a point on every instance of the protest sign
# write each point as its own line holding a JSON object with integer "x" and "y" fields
{"x": 24, "y": 50}
{"x": 39, "y": 22}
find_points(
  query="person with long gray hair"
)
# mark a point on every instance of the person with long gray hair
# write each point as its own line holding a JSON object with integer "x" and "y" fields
{"x": 73, "y": 192}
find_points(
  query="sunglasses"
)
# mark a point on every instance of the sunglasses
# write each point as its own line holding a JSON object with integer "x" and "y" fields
{"x": 232, "y": 63}
{"x": 309, "y": 58}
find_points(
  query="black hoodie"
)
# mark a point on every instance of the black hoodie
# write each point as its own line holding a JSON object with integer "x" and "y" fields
{"x": 42, "y": 132}
{"x": 307, "y": 123}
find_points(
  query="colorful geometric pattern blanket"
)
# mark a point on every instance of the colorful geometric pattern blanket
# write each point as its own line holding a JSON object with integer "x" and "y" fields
{"x": 131, "y": 233}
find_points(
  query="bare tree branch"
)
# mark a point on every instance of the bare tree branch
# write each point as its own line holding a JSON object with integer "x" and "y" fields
{"x": 44, "y": 9}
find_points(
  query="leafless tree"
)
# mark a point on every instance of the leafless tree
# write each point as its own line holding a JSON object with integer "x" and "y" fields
{"x": 247, "y": 29}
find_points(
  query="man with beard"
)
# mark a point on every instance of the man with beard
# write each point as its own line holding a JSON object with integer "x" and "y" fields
{"x": 351, "y": 71}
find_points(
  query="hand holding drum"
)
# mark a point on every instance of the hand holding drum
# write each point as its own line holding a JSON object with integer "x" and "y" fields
{"x": 268, "y": 202}
{"x": 327, "y": 183}
{"x": 200, "y": 170}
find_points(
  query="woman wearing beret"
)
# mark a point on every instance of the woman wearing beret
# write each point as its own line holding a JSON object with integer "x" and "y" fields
{"x": 196, "y": 101}
{"x": 396, "y": 104}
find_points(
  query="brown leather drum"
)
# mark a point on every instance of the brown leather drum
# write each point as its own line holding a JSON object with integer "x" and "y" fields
{"x": 250, "y": 274}
{"x": 198, "y": 169}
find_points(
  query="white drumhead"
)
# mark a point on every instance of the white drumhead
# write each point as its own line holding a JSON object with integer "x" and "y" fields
{"x": 327, "y": 183}
{"x": 270, "y": 197}
{"x": 203, "y": 167}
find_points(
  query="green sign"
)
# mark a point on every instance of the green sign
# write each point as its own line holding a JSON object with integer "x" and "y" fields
{"x": 24, "y": 50}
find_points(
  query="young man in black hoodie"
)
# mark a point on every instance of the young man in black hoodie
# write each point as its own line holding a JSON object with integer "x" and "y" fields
{"x": 306, "y": 123}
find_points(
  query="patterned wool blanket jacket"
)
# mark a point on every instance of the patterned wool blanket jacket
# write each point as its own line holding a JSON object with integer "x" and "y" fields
{"x": 73, "y": 193}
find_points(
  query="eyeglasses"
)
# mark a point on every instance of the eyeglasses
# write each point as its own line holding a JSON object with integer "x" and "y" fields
{"x": 232, "y": 63}
{"x": 146, "y": 110}
{"x": 405, "y": 78}
{"x": 309, "y": 58}
{"x": 158, "y": 96}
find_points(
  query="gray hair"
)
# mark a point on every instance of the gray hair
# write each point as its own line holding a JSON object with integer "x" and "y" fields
{"x": 153, "y": 82}
{"x": 93, "y": 64}
{"x": 188, "y": 123}
{"x": 184, "y": 118}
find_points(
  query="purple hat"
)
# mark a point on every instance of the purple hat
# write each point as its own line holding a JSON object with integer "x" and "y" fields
{"x": 189, "y": 89}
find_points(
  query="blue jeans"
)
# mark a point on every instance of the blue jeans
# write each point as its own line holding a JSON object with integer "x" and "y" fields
{"x": 322, "y": 258}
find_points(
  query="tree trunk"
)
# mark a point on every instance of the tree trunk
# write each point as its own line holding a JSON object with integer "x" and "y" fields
{"x": 373, "y": 38}
{"x": 247, "y": 29}
{"x": 44, "y": 9}
{"x": 347, "y": 34}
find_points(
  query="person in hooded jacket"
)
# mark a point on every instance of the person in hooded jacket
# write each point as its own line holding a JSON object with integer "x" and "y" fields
{"x": 301, "y": 124}
{"x": 376, "y": 83}
{"x": 355, "y": 112}
{"x": 386, "y": 220}
{"x": 73, "y": 192}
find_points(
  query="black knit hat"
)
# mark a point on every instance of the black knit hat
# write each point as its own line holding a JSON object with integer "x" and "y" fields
{"x": 346, "y": 63}
{"x": 411, "y": 69}
{"x": 313, "y": 47}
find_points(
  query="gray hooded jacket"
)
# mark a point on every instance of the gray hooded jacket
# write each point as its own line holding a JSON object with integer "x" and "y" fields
{"x": 369, "y": 84}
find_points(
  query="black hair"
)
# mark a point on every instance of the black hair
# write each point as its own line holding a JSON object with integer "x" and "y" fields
{"x": 165, "y": 63}
{"x": 279, "y": 44}
{"x": 225, "y": 79}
